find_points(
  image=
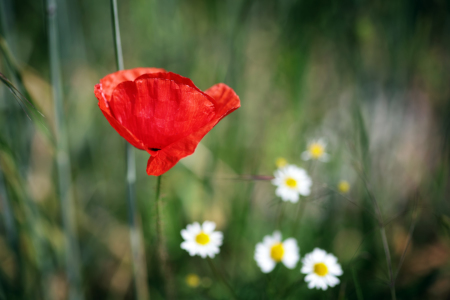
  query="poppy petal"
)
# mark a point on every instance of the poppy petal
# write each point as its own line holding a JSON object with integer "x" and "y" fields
{"x": 162, "y": 109}
{"x": 109, "y": 82}
{"x": 104, "y": 90}
{"x": 171, "y": 76}
{"x": 226, "y": 102}
{"x": 226, "y": 99}
{"x": 113, "y": 122}
{"x": 125, "y": 133}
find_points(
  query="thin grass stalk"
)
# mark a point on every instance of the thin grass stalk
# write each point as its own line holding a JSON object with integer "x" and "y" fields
{"x": 138, "y": 259}
{"x": 290, "y": 289}
{"x": 21, "y": 93}
{"x": 411, "y": 230}
{"x": 359, "y": 293}
{"x": 163, "y": 258}
{"x": 44, "y": 265}
{"x": 24, "y": 98}
{"x": 27, "y": 228}
{"x": 11, "y": 231}
{"x": 137, "y": 255}
{"x": 301, "y": 207}
{"x": 280, "y": 214}
{"x": 383, "y": 236}
{"x": 342, "y": 291}
{"x": 62, "y": 160}
{"x": 364, "y": 141}
{"x": 389, "y": 262}
{"x": 10, "y": 226}
{"x": 299, "y": 216}
{"x": 221, "y": 278}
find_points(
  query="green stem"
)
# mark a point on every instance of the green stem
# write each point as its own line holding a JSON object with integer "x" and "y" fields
{"x": 299, "y": 216}
{"x": 302, "y": 205}
{"x": 62, "y": 159}
{"x": 163, "y": 258}
{"x": 10, "y": 226}
{"x": 137, "y": 255}
{"x": 221, "y": 278}
{"x": 389, "y": 262}
{"x": 383, "y": 235}
{"x": 359, "y": 293}
{"x": 280, "y": 215}
{"x": 158, "y": 188}
{"x": 11, "y": 231}
{"x": 138, "y": 258}
{"x": 116, "y": 34}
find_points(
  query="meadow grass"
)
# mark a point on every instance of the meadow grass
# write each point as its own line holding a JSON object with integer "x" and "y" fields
{"x": 370, "y": 78}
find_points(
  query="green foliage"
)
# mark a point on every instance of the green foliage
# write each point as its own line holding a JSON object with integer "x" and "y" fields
{"x": 371, "y": 77}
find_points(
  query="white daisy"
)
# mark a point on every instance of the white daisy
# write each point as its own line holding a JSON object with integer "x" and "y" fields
{"x": 201, "y": 239}
{"x": 316, "y": 150}
{"x": 292, "y": 181}
{"x": 322, "y": 269}
{"x": 272, "y": 250}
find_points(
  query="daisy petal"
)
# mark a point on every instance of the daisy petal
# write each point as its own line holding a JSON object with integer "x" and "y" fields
{"x": 208, "y": 226}
{"x": 331, "y": 280}
{"x": 305, "y": 155}
{"x": 324, "y": 158}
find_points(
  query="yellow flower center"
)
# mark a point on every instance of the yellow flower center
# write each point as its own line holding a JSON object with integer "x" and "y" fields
{"x": 281, "y": 162}
{"x": 320, "y": 269}
{"x": 316, "y": 150}
{"x": 202, "y": 238}
{"x": 192, "y": 280}
{"x": 291, "y": 182}
{"x": 277, "y": 252}
{"x": 343, "y": 186}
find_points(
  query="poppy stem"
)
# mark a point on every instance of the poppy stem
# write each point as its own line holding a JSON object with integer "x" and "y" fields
{"x": 166, "y": 271}
{"x": 137, "y": 254}
{"x": 62, "y": 160}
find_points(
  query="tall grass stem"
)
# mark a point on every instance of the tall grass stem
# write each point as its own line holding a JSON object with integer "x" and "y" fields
{"x": 299, "y": 216}
{"x": 411, "y": 230}
{"x": 383, "y": 235}
{"x": 8, "y": 216}
{"x": 137, "y": 255}
{"x": 389, "y": 262}
{"x": 221, "y": 278}
{"x": 359, "y": 293}
{"x": 62, "y": 160}
{"x": 116, "y": 35}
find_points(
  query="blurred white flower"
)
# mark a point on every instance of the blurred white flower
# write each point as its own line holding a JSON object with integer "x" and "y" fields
{"x": 272, "y": 250}
{"x": 343, "y": 186}
{"x": 316, "y": 151}
{"x": 321, "y": 269}
{"x": 292, "y": 181}
{"x": 201, "y": 239}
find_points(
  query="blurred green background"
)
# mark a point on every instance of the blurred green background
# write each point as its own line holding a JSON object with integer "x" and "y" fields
{"x": 371, "y": 77}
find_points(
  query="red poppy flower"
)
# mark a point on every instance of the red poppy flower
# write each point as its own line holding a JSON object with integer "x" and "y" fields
{"x": 161, "y": 112}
